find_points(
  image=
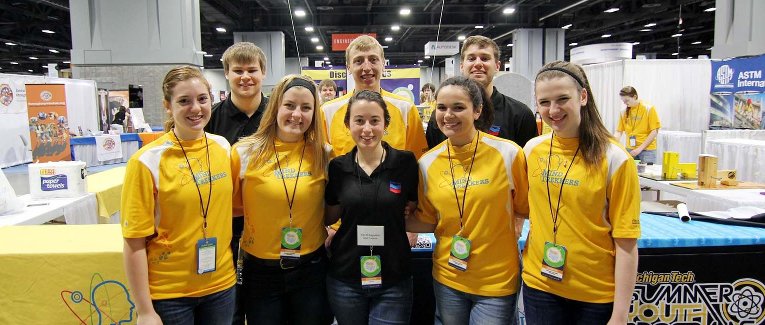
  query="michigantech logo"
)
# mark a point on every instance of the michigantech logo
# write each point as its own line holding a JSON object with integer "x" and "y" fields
{"x": 724, "y": 76}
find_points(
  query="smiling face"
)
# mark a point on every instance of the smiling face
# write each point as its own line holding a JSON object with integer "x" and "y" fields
{"x": 366, "y": 66}
{"x": 367, "y": 124}
{"x": 456, "y": 115}
{"x": 295, "y": 114}
{"x": 245, "y": 79}
{"x": 327, "y": 93}
{"x": 560, "y": 104}
{"x": 479, "y": 64}
{"x": 190, "y": 106}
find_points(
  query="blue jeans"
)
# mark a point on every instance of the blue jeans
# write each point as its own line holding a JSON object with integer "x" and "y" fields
{"x": 354, "y": 305}
{"x": 214, "y": 309}
{"x": 295, "y": 296}
{"x": 545, "y": 308}
{"x": 647, "y": 156}
{"x": 455, "y": 307}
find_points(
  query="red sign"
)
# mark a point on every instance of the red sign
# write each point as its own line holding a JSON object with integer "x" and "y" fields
{"x": 340, "y": 42}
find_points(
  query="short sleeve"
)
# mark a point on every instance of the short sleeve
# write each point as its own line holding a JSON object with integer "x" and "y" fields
{"x": 415, "y": 134}
{"x": 236, "y": 168}
{"x": 521, "y": 181}
{"x": 653, "y": 119}
{"x": 426, "y": 212}
{"x": 138, "y": 201}
{"x": 624, "y": 201}
{"x": 331, "y": 193}
{"x": 412, "y": 176}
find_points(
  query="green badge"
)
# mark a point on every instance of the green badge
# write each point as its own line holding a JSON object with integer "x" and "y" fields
{"x": 371, "y": 266}
{"x": 459, "y": 253}
{"x": 292, "y": 238}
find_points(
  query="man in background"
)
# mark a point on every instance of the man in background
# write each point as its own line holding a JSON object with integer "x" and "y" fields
{"x": 327, "y": 90}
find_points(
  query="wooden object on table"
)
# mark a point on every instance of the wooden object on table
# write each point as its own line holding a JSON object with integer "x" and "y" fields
{"x": 707, "y": 171}
{"x": 727, "y": 176}
{"x": 738, "y": 186}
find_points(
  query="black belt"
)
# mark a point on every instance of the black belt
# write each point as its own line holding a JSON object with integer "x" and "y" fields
{"x": 287, "y": 263}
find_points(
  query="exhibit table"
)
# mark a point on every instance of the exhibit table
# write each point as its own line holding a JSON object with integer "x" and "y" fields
{"x": 687, "y": 144}
{"x": 78, "y": 210}
{"x": 84, "y": 149}
{"x": 107, "y": 186}
{"x": 678, "y": 281}
{"x": 746, "y": 156}
{"x": 63, "y": 275}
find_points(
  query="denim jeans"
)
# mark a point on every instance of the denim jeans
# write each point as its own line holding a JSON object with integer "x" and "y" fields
{"x": 545, "y": 308}
{"x": 647, "y": 156}
{"x": 353, "y": 305}
{"x": 455, "y": 307}
{"x": 213, "y": 309}
{"x": 296, "y": 296}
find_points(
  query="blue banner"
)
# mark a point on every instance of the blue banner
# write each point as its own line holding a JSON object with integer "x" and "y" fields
{"x": 737, "y": 93}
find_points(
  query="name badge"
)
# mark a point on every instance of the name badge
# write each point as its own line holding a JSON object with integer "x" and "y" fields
{"x": 459, "y": 253}
{"x": 206, "y": 252}
{"x": 370, "y": 235}
{"x": 553, "y": 261}
{"x": 371, "y": 267}
{"x": 633, "y": 141}
{"x": 291, "y": 241}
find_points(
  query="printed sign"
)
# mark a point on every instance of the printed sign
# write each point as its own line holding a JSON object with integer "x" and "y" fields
{"x": 738, "y": 93}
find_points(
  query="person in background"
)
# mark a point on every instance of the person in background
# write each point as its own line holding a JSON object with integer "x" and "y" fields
{"x": 580, "y": 261}
{"x": 369, "y": 189}
{"x": 328, "y": 90}
{"x": 176, "y": 214}
{"x": 119, "y": 118}
{"x": 279, "y": 178}
{"x": 239, "y": 114}
{"x": 513, "y": 120}
{"x": 641, "y": 124}
{"x": 366, "y": 60}
{"x": 472, "y": 188}
{"x": 428, "y": 98}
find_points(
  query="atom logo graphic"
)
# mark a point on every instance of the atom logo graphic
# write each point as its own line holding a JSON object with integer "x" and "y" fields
{"x": 109, "y": 144}
{"x": 747, "y": 301}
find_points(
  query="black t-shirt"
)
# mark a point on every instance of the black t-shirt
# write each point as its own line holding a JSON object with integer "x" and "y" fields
{"x": 376, "y": 200}
{"x": 513, "y": 121}
{"x": 227, "y": 121}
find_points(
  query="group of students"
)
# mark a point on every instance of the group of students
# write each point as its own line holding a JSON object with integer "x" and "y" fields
{"x": 328, "y": 192}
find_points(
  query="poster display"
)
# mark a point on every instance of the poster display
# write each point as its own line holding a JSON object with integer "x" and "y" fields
{"x": 48, "y": 123}
{"x": 14, "y": 144}
{"x": 402, "y": 80}
{"x": 337, "y": 74}
{"x": 737, "y": 93}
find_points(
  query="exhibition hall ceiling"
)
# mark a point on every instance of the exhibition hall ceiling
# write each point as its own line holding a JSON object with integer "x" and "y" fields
{"x": 34, "y": 33}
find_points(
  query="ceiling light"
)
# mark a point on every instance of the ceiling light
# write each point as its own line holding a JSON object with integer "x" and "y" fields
{"x": 709, "y": 49}
{"x": 53, "y": 51}
{"x": 405, "y": 11}
{"x": 10, "y": 44}
{"x": 67, "y": 62}
{"x": 677, "y": 35}
{"x": 208, "y": 55}
{"x": 330, "y": 65}
{"x": 395, "y": 27}
{"x": 645, "y": 30}
{"x": 696, "y": 42}
{"x": 605, "y": 35}
{"x": 30, "y": 70}
{"x": 48, "y": 31}
{"x": 573, "y": 44}
{"x": 319, "y": 47}
{"x": 710, "y": 9}
{"x": 314, "y": 39}
{"x": 300, "y": 13}
{"x": 14, "y": 63}
{"x": 221, "y": 59}
{"x": 388, "y": 39}
{"x": 675, "y": 54}
{"x": 419, "y": 61}
{"x": 650, "y": 25}
{"x": 510, "y": 45}
{"x": 33, "y": 58}
{"x": 690, "y": 57}
{"x": 610, "y": 10}
{"x": 44, "y": 66}
{"x": 326, "y": 58}
{"x": 461, "y": 38}
{"x": 427, "y": 57}
{"x": 478, "y": 26}
{"x": 508, "y": 10}
{"x": 308, "y": 28}
{"x": 635, "y": 43}
{"x": 220, "y": 29}
{"x": 566, "y": 27}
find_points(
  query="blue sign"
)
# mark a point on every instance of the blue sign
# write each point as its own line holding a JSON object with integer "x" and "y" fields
{"x": 738, "y": 75}
{"x": 53, "y": 183}
{"x": 737, "y": 93}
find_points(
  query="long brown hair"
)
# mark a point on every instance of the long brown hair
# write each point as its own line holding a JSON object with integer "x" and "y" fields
{"x": 594, "y": 138}
{"x": 260, "y": 143}
{"x": 172, "y": 78}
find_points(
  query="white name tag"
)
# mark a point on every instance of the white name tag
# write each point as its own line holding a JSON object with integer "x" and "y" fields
{"x": 371, "y": 235}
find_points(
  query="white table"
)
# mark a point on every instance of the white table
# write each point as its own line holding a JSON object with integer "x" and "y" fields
{"x": 79, "y": 210}
{"x": 746, "y": 156}
{"x": 84, "y": 149}
{"x": 705, "y": 200}
{"x": 687, "y": 144}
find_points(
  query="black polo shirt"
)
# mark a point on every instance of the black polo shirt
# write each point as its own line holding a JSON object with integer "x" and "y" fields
{"x": 513, "y": 121}
{"x": 229, "y": 122}
{"x": 376, "y": 200}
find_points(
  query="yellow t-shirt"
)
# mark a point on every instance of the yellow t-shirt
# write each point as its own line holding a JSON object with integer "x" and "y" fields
{"x": 260, "y": 192}
{"x": 641, "y": 121}
{"x": 159, "y": 199}
{"x": 498, "y": 188}
{"x": 404, "y": 132}
{"x": 598, "y": 205}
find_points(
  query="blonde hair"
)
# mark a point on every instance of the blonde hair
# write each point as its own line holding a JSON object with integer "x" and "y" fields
{"x": 482, "y": 42}
{"x": 243, "y": 53}
{"x": 260, "y": 144}
{"x": 172, "y": 78}
{"x": 363, "y": 43}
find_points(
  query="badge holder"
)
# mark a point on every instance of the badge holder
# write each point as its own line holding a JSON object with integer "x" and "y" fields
{"x": 459, "y": 253}
{"x": 554, "y": 261}
{"x": 206, "y": 255}
{"x": 291, "y": 241}
{"x": 371, "y": 269}
{"x": 633, "y": 141}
